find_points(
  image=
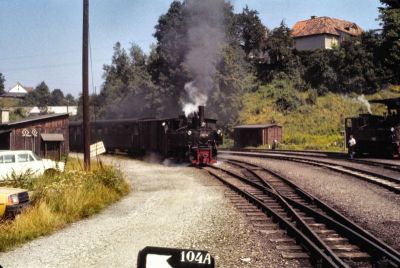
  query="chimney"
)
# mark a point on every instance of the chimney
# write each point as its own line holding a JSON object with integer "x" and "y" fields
{"x": 313, "y": 17}
{"x": 201, "y": 114}
{"x": 5, "y": 116}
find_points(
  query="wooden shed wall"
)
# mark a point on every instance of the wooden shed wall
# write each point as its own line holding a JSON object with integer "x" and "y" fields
{"x": 272, "y": 133}
{"x": 257, "y": 136}
{"x": 20, "y": 140}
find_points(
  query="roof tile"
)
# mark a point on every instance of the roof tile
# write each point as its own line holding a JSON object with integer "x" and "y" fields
{"x": 325, "y": 25}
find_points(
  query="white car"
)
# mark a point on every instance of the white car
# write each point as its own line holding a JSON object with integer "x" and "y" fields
{"x": 24, "y": 162}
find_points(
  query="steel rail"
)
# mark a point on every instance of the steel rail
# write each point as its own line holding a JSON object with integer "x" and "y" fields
{"x": 332, "y": 155}
{"x": 318, "y": 256}
{"x": 301, "y": 224}
{"x": 335, "y": 219}
{"x": 354, "y": 172}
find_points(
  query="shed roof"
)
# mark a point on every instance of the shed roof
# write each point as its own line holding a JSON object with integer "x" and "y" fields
{"x": 5, "y": 131}
{"x": 32, "y": 119}
{"x": 325, "y": 25}
{"x": 257, "y": 126}
{"x": 393, "y": 103}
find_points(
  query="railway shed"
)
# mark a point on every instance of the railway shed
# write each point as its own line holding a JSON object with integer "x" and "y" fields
{"x": 256, "y": 135}
{"x": 46, "y": 135}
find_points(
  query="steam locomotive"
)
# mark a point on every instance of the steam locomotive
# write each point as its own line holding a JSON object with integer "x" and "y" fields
{"x": 374, "y": 134}
{"x": 194, "y": 139}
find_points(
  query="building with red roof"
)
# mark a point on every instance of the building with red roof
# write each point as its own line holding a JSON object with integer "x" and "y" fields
{"x": 322, "y": 32}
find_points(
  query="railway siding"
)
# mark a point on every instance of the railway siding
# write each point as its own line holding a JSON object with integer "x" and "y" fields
{"x": 388, "y": 179}
{"x": 373, "y": 208}
{"x": 321, "y": 225}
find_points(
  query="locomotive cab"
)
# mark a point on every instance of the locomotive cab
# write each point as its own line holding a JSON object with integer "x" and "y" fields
{"x": 377, "y": 134}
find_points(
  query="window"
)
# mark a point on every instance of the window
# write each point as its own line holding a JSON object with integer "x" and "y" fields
{"x": 31, "y": 159}
{"x": 348, "y": 123}
{"x": 22, "y": 158}
{"x": 1, "y": 159}
{"x": 9, "y": 158}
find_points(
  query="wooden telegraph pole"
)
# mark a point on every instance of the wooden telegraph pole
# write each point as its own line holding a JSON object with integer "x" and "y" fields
{"x": 85, "y": 85}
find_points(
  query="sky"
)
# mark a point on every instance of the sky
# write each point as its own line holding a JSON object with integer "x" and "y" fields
{"x": 41, "y": 40}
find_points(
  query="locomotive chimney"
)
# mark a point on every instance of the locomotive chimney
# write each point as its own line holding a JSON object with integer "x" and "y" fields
{"x": 201, "y": 114}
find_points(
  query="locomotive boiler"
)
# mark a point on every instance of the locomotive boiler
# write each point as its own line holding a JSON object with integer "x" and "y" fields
{"x": 194, "y": 139}
{"x": 377, "y": 134}
{"x": 199, "y": 139}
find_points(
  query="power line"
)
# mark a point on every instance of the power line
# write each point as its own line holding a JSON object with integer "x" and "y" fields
{"x": 76, "y": 51}
{"x": 48, "y": 66}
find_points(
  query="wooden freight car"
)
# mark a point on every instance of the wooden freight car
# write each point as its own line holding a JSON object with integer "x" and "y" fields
{"x": 181, "y": 138}
{"x": 123, "y": 135}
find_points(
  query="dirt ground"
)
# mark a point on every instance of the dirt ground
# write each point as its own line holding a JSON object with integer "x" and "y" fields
{"x": 169, "y": 206}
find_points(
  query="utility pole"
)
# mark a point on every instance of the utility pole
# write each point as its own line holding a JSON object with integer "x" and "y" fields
{"x": 85, "y": 85}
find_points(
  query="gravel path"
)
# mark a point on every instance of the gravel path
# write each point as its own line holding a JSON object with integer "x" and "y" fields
{"x": 168, "y": 207}
{"x": 372, "y": 207}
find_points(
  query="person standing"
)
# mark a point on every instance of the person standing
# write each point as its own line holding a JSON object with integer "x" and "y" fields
{"x": 274, "y": 144}
{"x": 352, "y": 145}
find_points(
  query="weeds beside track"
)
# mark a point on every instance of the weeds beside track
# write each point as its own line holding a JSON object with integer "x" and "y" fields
{"x": 60, "y": 199}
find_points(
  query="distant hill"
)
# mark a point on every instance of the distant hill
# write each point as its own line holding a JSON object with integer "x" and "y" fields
{"x": 309, "y": 121}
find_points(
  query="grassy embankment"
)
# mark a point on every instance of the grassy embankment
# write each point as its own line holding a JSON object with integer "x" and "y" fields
{"x": 312, "y": 122}
{"x": 62, "y": 199}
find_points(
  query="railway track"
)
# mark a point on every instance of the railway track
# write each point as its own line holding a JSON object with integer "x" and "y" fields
{"x": 390, "y": 182}
{"x": 317, "y": 233}
{"x": 383, "y": 163}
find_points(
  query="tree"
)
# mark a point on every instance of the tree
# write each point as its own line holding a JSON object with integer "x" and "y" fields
{"x": 137, "y": 85}
{"x": 42, "y": 95}
{"x": 390, "y": 17}
{"x": 356, "y": 68}
{"x": 128, "y": 90}
{"x": 39, "y": 97}
{"x": 281, "y": 61}
{"x": 56, "y": 98}
{"x": 70, "y": 100}
{"x": 2, "y": 80}
{"x": 230, "y": 83}
{"x": 319, "y": 69}
{"x": 165, "y": 62}
{"x": 251, "y": 32}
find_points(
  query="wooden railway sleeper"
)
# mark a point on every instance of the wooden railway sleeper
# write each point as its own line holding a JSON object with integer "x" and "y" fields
{"x": 301, "y": 224}
{"x": 388, "y": 252}
{"x": 321, "y": 261}
{"x": 358, "y": 239}
{"x": 328, "y": 240}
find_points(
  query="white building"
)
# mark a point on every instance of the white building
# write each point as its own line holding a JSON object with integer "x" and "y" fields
{"x": 322, "y": 33}
{"x": 71, "y": 110}
{"x": 18, "y": 91}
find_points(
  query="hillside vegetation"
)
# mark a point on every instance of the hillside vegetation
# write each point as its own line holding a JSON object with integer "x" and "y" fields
{"x": 309, "y": 121}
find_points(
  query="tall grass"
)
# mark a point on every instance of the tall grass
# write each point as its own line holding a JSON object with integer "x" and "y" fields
{"x": 60, "y": 199}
